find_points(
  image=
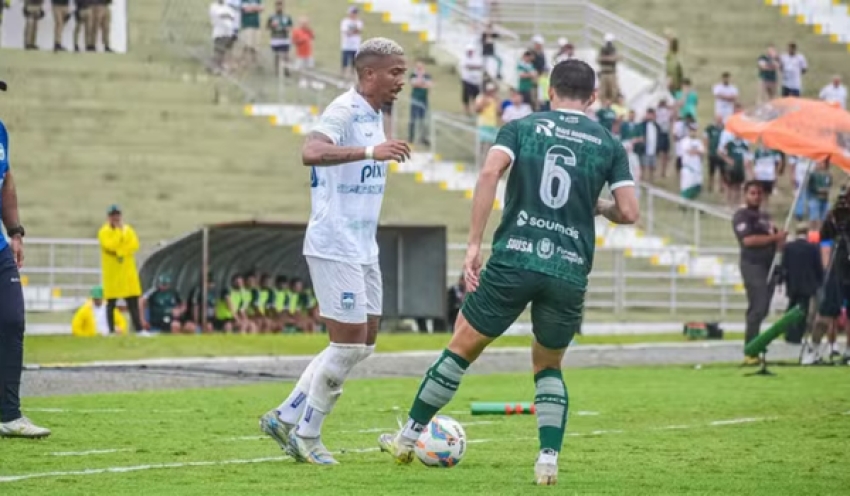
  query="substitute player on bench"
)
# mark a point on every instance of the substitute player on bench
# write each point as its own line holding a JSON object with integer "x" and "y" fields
{"x": 542, "y": 254}
{"x": 347, "y": 151}
{"x": 12, "y": 423}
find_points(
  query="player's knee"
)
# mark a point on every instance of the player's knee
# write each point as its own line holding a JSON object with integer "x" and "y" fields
{"x": 544, "y": 358}
{"x": 331, "y": 374}
{"x": 466, "y": 341}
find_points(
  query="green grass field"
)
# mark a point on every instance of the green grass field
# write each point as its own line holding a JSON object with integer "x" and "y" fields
{"x": 673, "y": 430}
{"x": 67, "y": 349}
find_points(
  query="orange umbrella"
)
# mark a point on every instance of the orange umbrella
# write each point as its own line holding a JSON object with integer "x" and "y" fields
{"x": 797, "y": 126}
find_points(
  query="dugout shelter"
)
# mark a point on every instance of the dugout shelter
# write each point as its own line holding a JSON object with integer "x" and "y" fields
{"x": 412, "y": 258}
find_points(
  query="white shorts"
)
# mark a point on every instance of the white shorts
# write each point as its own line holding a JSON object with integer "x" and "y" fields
{"x": 250, "y": 37}
{"x": 346, "y": 292}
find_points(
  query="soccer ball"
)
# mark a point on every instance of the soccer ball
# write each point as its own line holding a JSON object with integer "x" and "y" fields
{"x": 442, "y": 443}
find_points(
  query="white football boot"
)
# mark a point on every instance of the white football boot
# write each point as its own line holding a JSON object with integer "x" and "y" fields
{"x": 546, "y": 468}
{"x": 309, "y": 450}
{"x": 23, "y": 427}
{"x": 271, "y": 425}
{"x": 401, "y": 449}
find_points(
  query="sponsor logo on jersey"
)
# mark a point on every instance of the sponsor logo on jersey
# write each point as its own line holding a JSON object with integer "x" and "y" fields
{"x": 544, "y": 127}
{"x": 545, "y": 248}
{"x": 523, "y": 219}
{"x": 372, "y": 171}
{"x": 570, "y": 256}
{"x": 520, "y": 244}
{"x": 347, "y": 301}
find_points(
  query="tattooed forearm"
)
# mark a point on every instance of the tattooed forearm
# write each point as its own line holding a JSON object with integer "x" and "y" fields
{"x": 10, "y": 202}
{"x": 319, "y": 150}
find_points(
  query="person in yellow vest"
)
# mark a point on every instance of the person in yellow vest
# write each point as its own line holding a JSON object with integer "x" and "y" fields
{"x": 118, "y": 247}
{"x": 90, "y": 319}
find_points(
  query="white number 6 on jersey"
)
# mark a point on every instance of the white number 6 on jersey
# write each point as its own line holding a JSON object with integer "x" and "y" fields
{"x": 555, "y": 184}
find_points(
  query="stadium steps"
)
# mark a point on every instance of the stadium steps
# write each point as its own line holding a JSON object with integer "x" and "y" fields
{"x": 452, "y": 34}
{"x": 827, "y": 17}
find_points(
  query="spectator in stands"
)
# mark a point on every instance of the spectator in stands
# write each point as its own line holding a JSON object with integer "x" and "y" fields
{"x": 543, "y": 103}
{"x": 606, "y": 116}
{"x": 527, "y": 77}
{"x": 736, "y": 153}
{"x": 687, "y": 100}
{"x": 90, "y": 319}
{"x": 631, "y": 135}
{"x": 725, "y": 96}
{"x": 118, "y": 247}
{"x": 420, "y": 84}
{"x": 690, "y": 179}
{"x": 60, "y": 18}
{"x": 517, "y": 108}
{"x": 799, "y": 180}
{"x": 716, "y": 165}
{"x": 538, "y": 61}
{"x": 228, "y": 307}
{"x": 607, "y": 59}
{"x": 835, "y": 92}
{"x": 566, "y": 51}
{"x": 620, "y": 108}
{"x": 794, "y": 66}
{"x": 765, "y": 164}
{"x": 768, "y": 65}
{"x": 302, "y": 38}
{"x": 673, "y": 64}
{"x": 648, "y": 149}
{"x": 820, "y": 182}
{"x": 223, "y": 20}
{"x": 351, "y": 31}
{"x": 664, "y": 119}
{"x": 249, "y": 30}
{"x": 164, "y": 308}
{"x": 102, "y": 19}
{"x": 759, "y": 239}
{"x": 472, "y": 77}
{"x": 84, "y": 25}
{"x": 681, "y": 130}
{"x": 488, "y": 50}
{"x": 487, "y": 108}
{"x": 455, "y": 297}
{"x": 279, "y": 26}
{"x": 33, "y": 13}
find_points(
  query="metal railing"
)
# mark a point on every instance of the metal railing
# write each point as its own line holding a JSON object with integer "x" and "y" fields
{"x": 584, "y": 23}
{"x": 621, "y": 284}
{"x": 684, "y": 221}
{"x": 58, "y": 273}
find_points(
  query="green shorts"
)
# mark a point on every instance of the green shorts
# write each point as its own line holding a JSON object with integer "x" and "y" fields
{"x": 557, "y": 306}
{"x": 692, "y": 192}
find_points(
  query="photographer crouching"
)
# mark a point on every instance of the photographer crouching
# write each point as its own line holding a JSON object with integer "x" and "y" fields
{"x": 835, "y": 255}
{"x": 759, "y": 239}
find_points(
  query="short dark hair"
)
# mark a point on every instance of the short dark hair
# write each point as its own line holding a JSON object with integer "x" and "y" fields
{"x": 573, "y": 80}
{"x": 752, "y": 183}
{"x": 650, "y": 110}
{"x": 725, "y": 75}
{"x": 528, "y": 53}
{"x": 281, "y": 280}
{"x": 686, "y": 81}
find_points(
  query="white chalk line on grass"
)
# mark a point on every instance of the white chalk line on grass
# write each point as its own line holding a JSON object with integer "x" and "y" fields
{"x": 90, "y": 452}
{"x": 357, "y": 431}
{"x": 96, "y": 410}
{"x": 138, "y": 468}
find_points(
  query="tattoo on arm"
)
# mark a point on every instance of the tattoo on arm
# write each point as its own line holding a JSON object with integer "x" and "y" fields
{"x": 10, "y": 202}
{"x": 318, "y": 149}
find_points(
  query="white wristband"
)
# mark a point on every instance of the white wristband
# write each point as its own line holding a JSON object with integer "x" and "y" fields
{"x": 370, "y": 152}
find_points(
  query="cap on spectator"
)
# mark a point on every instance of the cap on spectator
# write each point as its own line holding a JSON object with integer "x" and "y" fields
{"x": 353, "y": 10}
{"x": 164, "y": 279}
{"x": 113, "y": 209}
{"x": 609, "y": 37}
{"x": 96, "y": 293}
{"x": 3, "y": 86}
{"x": 538, "y": 39}
{"x": 489, "y": 86}
{"x": 562, "y": 42}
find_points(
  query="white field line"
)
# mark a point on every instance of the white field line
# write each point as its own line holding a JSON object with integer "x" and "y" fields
{"x": 157, "y": 466}
{"x": 96, "y": 410}
{"x": 89, "y": 452}
{"x": 357, "y": 431}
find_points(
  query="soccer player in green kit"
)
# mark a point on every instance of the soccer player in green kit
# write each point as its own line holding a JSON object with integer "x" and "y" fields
{"x": 542, "y": 254}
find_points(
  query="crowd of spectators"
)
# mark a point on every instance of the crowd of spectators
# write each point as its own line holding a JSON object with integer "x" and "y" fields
{"x": 89, "y": 20}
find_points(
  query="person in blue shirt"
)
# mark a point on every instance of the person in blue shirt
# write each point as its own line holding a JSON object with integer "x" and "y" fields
{"x": 12, "y": 422}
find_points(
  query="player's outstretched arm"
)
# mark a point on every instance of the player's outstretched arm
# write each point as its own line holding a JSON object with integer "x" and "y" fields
{"x": 319, "y": 150}
{"x": 624, "y": 208}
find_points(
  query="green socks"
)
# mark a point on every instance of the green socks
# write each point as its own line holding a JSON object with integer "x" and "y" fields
{"x": 436, "y": 391}
{"x": 552, "y": 402}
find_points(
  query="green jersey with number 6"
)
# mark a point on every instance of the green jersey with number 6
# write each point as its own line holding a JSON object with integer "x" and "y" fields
{"x": 561, "y": 162}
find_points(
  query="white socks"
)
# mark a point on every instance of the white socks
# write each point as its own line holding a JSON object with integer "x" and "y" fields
{"x": 294, "y": 406}
{"x": 326, "y": 386}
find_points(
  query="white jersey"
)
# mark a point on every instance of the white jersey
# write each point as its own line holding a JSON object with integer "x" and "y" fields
{"x": 346, "y": 198}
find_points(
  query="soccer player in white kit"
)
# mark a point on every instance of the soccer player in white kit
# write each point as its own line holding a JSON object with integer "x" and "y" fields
{"x": 348, "y": 153}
